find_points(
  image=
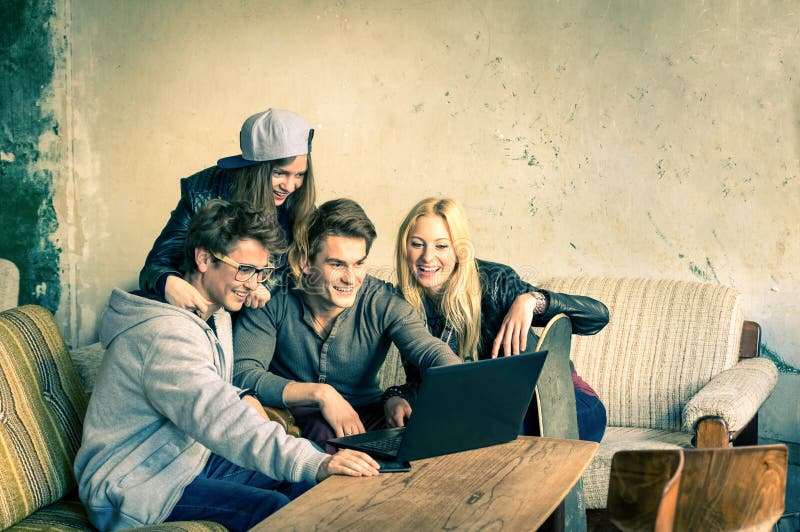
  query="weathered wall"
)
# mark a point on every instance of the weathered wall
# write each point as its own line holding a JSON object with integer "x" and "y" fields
{"x": 606, "y": 138}
{"x": 30, "y": 149}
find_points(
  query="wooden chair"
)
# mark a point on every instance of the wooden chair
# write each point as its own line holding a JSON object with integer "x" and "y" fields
{"x": 739, "y": 488}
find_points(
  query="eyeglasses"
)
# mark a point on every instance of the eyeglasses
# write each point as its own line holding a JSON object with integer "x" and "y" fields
{"x": 245, "y": 272}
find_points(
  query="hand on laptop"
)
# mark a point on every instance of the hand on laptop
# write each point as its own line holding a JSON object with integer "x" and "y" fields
{"x": 340, "y": 414}
{"x": 348, "y": 462}
{"x": 397, "y": 410}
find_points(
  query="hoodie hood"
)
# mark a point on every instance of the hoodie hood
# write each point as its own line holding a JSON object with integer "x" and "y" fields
{"x": 126, "y": 310}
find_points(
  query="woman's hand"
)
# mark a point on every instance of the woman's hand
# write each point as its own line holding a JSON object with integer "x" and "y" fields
{"x": 397, "y": 410}
{"x": 180, "y": 293}
{"x": 258, "y": 297}
{"x": 348, "y": 462}
{"x": 512, "y": 337}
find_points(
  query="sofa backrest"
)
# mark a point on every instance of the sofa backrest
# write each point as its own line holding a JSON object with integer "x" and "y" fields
{"x": 664, "y": 341}
{"x": 9, "y": 284}
{"x": 42, "y": 405}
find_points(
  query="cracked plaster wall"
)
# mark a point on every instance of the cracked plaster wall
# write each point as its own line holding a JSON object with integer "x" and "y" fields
{"x": 601, "y": 138}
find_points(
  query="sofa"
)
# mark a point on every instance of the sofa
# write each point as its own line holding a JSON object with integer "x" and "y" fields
{"x": 677, "y": 366}
{"x": 42, "y": 405}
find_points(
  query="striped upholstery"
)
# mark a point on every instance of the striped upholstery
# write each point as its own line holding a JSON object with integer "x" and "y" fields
{"x": 734, "y": 395}
{"x": 61, "y": 515}
{"x": 595, "y": 478}
{"x": 184, "y": 526}
{"x": 42, "y": 404}
{"x": 666, "y": 339}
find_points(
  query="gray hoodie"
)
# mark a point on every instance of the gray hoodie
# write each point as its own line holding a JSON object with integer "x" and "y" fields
{"x": 162, "y": 403}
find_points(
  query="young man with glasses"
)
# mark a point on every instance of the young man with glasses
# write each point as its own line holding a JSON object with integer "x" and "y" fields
{"x": 317, "y": 347}
{"x": 167, "y": 437}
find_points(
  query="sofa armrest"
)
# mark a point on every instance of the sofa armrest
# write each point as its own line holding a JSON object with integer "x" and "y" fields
{"x": 734, "y": 396}
{"x": 283, "y": 418}
{"x": 87, "y": 360}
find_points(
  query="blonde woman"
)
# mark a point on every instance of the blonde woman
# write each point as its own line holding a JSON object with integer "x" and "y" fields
{"x": 481, "y": 309}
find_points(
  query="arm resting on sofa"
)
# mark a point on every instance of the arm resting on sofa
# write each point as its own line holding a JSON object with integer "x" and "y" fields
{"x": 731, "y": 399}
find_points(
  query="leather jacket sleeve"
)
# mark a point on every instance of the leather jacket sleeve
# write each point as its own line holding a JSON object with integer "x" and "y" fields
{"x": 166, "y": 256}
{"x": 588, "y": 315}
{"x": 501, "y": 285}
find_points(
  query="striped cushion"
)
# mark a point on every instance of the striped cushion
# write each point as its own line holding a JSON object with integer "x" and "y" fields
{"x": 665, "y": 340}
{"x": 184, "y": 526}
{"x": 595, "y": 478}
{"x": 42, "y": 404}
{"x": 70, "y": 515}
{"x": 62, "y": 515}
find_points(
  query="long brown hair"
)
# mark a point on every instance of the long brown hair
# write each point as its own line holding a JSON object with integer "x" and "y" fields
{"x": 253, "y": 184}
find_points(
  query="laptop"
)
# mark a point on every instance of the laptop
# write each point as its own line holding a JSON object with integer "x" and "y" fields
{"x": 458, "y": 408}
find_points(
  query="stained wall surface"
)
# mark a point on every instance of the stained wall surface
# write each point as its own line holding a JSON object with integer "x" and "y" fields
{"x": 610, "y": 138}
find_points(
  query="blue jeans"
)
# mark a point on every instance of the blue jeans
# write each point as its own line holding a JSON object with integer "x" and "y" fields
{"x": 591, "y": 418}
{"x": 233, "y": 496}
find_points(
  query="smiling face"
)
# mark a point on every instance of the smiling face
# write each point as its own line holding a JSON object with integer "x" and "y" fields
{"x": 288, "y": 178}
{"x": 430, "y": 254}
{"x": 217, "y": 280}
{"x": 335, "y": 273}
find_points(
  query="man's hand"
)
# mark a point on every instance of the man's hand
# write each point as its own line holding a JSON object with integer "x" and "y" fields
{"x": 348, "y": 462}
{"x": 180, "y": 293}
{"x": 397, "y": 410}
{"x": 339, "y": 414}
{"x": 258, "y": 297}
{"x": 512, "y": 337}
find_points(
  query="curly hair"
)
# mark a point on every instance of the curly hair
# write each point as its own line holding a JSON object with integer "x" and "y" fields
{"x": 220, "y": 225}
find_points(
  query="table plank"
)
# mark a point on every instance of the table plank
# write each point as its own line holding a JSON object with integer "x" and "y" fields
{"x": 512, "y": 486}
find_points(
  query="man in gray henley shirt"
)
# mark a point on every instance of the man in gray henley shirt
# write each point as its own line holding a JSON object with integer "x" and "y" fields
{"x": 318, "y": 345}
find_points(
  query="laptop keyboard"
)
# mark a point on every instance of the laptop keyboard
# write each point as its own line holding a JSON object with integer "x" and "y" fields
{"x": 387, "y": 445}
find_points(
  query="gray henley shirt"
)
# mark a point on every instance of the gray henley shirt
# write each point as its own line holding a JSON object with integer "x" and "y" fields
{"x": 277, "y": 344}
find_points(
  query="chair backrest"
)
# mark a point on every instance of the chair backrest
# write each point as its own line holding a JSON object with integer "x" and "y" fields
{"x": 555, "y": 399}
{"x": 9, "y": 285}
{"x": 735, "y": 488}
{"x": 555, "y": 393}
{"x": 42, "y": 405}
{"x": 665, "y": 340}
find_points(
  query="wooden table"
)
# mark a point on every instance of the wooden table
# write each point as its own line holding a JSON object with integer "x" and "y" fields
{"x": 513, "y": 486}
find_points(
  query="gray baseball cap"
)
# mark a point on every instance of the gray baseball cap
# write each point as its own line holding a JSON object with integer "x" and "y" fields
{"x": 273, "y": 134}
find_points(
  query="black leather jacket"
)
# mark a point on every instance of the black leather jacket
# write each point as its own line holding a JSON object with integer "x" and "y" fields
{"x": 500, "y": 286}
{"x": 167, "y": 254}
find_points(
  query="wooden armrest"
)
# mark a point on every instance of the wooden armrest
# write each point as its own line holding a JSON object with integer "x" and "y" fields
{"x": 750, "y": 345}
{"x": 284, "y": 418}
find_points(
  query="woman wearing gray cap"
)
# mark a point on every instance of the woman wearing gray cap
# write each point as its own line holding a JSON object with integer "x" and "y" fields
{"x": 273, "y": 173}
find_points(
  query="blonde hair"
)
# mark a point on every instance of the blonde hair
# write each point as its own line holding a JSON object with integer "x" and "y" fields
{"x": 253, "y": 184}
{"x": 460, "y": 301}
